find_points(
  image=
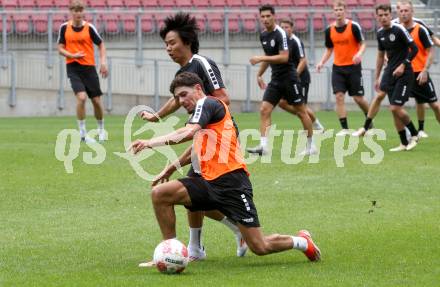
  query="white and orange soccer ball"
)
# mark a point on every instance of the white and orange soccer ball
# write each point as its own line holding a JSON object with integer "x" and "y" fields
{"x": 171, "y": 256}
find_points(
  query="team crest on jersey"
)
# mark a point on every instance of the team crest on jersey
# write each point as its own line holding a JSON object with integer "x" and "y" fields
{"x": 392, "y": 37}
{"x": 272, "y": 43}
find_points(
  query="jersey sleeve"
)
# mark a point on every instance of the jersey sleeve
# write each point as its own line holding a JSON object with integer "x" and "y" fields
{"x": 94, "y": 34}
{"x": 328, "y": 39}
{"x": 207, "y": 111}
{"x": 380, "y": 47}
{"x": 404, "y": 35}
{"x": 425, "y": 38}
{"x": 303, "y": 49}
{"x": 61, "y": 34}
{"x": 297, "y": 51}
{"x": 421, "y": 22}
{"x": 210, "y": 74}
{"x": 281, "y": 39}
{"x": 357, "y": 32}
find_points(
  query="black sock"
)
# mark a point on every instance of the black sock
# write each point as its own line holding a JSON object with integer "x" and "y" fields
{"x": 421, "y": 125}
{"x": 344, "y": 123}
{"x": 403, "y": 139}
{"x": 412, "y": 129}
{"x": 367, "y": 123}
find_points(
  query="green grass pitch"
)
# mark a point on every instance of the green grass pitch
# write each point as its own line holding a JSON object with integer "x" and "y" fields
{"x": 93, "y": 227}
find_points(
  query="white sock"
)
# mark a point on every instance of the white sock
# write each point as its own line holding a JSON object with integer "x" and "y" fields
{"x": 310, "y": 142}
{"x": 195, "y": 235}
{"x": 263, "y": 142}
{"x": 82, "y": 128}
{"x": 299, "y": 243}
{"x": 317, "y": 124}
{"x": 100, "y": 125}
{"x": 230, "y": 225}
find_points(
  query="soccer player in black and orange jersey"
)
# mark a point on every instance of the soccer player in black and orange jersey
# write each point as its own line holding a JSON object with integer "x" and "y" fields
{"x": 345, "y": 40}
{"x": 423, "y": 90}
{"x": 75, "y": 42}
{"x": 182, "y": 45}
{"x": 398, "y": 76}
{"x": 284, "y": 81}
{"x": 224, "y": 182}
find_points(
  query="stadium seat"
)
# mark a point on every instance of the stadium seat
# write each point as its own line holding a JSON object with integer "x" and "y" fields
{"x": 234, "y": 23}
{"x": 39, "y": 22}
{"x": 302, "y": 3}
{"x": 252, "y": 3}
{"x": 367, "y": 3}
{"x": 44, "y": 4}
{"x": 201, "y": 3}
{"x": 216, "y": 23}
{"x": 61, "y": 4}
{"x": 147, "y": 24}
{"x": 367, "y": 21}
{"x": 96, "y": 4}
{"x": 149, "y": 4}
{"x": 250, "y": 22}
{"x": 57, "y": 20}
{"x": 167, "y": 3}
{"x": 282, "y": 16}
{"x": 111, "y": 23}
{"x": 183, "y": 3}
{"x": 128, "y": 23}
{"x": 131, "y": 4}
{"x": 22, "y": 23}
{"x": 234, "y": 3}
{"x": 318, "y": 4}
{"x": 9, "y": 4}
{"x": 319, "y": 23}
{"x": 217, "y": 3}
{"x": 115, "y": 4}
{"x": 286, "y": 3}
{"x": 352, "y": 3}
{"x": 26, "y": 4}
{"x": 160, "y": 19}
{"x": 201, "y": 22}
{"x": 300, "y": 21}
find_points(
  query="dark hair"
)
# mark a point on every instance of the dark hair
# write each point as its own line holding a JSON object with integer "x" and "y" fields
{"x": 267, "y": 7}
{"x": 385, "y": 7}
{"x": 287, "y": 21}
{"x": 184, "y": 25}
{"x": 185, "y": 79}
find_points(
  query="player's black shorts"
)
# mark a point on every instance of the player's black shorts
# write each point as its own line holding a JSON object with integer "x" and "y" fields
{"x": 305, "y": 91}
{"x": 348, "y": 79}
{"x": 231, "y": 194}
{"x": 84, "y": 79}
{"x": 423, "y": 93}
{"x": 398, "y": 89}
{"x": 288, "y": 89}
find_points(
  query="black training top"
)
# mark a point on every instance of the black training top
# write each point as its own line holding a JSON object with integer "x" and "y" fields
{"x": 296, "y": 53}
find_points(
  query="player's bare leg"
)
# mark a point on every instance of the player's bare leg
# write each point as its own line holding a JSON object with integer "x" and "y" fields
{"x": 266, "y": 109}
{"x": 283, "y": 104}
{"x": 402, "y": 121}
{"x": 362, "y": 103}
{"x": 372, "y": 112}
{"x": 342, "y": 113}
{"x": 81, "y": 98}
{"x": 99, "y": 115}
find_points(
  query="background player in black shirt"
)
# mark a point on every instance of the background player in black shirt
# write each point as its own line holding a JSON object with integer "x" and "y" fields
{"x": 298, "y": 56}
{"x": 398, "y": 76}
{"x": 284, "y": 82}
{"x": 182, "y": 45}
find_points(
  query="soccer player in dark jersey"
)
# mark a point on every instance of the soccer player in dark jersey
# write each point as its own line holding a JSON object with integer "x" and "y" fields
{"x": 423, "y": 90}
{"x": 298, "y": 56}
{"x": 224, "y": 182}
{"x": 344, "y": 39}
{"x": 182, "y": 45}
{"x": 75, "y": 42}
{"x": 284, "y": 83}
{"x": 398, "y": 76}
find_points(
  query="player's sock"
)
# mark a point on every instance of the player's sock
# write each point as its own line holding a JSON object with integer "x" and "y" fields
{"x": 421, "y": 125}
{"x": 344, "y": 123}
{"x": 299, "y": 243}
{"x": 195, "y": 235}
{"x": 403, "y": 138}
{"x": 367, "y": 123}
{"x": 100, "y": 125}
{"x": 317, "y": 125}
{"x": 310, "y": 143}
{"x": 412, "y": 129}
{"x": 82, "y": 128}
{"x": 230, "y": 225}
{"x": 263, "y": 142}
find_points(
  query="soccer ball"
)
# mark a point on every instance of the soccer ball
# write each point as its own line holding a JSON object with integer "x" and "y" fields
{"x": 171, "y": 256}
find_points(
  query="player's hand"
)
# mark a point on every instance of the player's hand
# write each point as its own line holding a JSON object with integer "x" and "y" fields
{"x": 377, "y": 86}
{"x": 139, "y": 145}
{"x": 103, "y": 70}
{"x": 255, "y": 60}
{"x": 422, "y": 78}
{"x": 164, "y": 176}
{"x": 319, "y": 67}
{"x": 78, "y": 55}
{"x": 261, "y": 83}
{"x": 147, "y": 116}
{"x": 399, "y": 71}
{"x": 357, "y": 59}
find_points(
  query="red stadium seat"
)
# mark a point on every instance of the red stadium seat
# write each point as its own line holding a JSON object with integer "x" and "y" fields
{"x": 201, "y": 22}
{"x": 40, "y": 23}
{"x": 216, "y": 23}
{"x": 282, "y": 16}
{"x": 217, "y": 3}
{"x": 26, "y": 4}
{"x": 252, "y": 3}
{"x": 319, "y": 22}
{"x": 318, "y": 3}
{"x": 57, "y": 21}
{"x": 201, "y": 3}
{"x": 302, "y": 3}
{"x": 133, "y": 3}
{"x": 234, "y": 23}
{"x": 352, "y": 3}
{"x": 10, "y": 4}
{"x": 250, "y": 22}
{"x": 97, "y": 4}
{"x": 44, "y": 4}
{"x": 300, "y": 21}
{"x": 149, "y": 3}
{"x": 286, "y": 3}
{"x": 147, "y": 23}
{"x": 367, "y": 3}
{"x": 62, "y": 4}
{"x": 111, "y": 23}
{"x": 128, "y": 23}
{"x": 160, "y": 19}
{"x": 115, "y": 4}
{"x": 167, "y": 3}
{"x": 22, "y": 23}
{"x": 367, "y": 21}
{"x": 183, "y": 3}
{"x": 234, "y": 3}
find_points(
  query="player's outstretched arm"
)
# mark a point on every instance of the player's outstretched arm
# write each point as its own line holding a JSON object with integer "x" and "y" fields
{"x": 170, "y": 107}
{"x": 327, "y": 54}
{"x": 379, "y": 64}
{"x": 166, "y": 173}
{"x": 281, "y": 58}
